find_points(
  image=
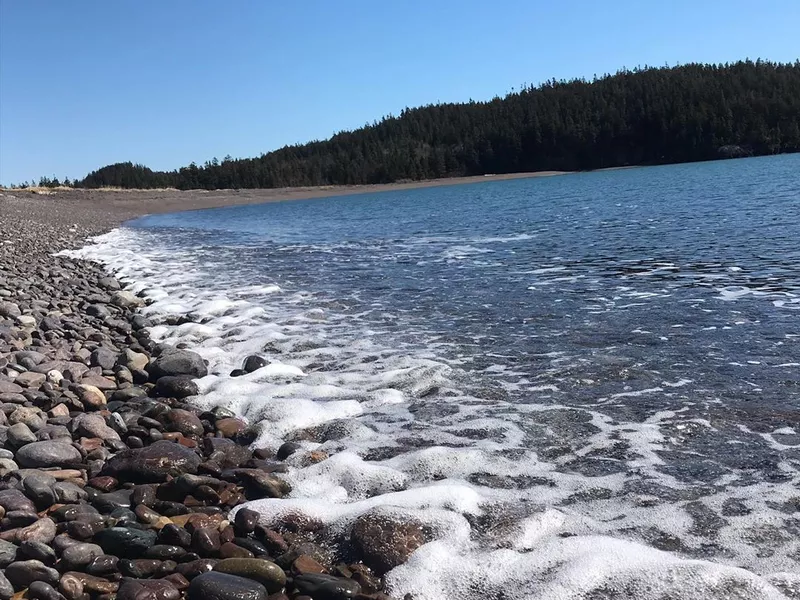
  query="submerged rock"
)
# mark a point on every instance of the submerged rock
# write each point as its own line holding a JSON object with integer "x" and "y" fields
{"x": 384, "y": 540}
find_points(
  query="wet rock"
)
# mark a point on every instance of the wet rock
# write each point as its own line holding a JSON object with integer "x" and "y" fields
{"x": 230, "y": 427}
{"x": 192, "y": 569}
{"x": 223, "y": 586}
{"x": 165, "y": 552}
{"x": 15, "y": 500}
{"x": 254, "y": 547}
{"x": 103, "y": 483}
{"x": 231, "y": 550}
{"x": 154, "y": 589}
{"x": 154, "y": 463}
{"x": 253, "y": 363}
{"x": 172, "y": 534}
{"x": 124, "y": 542}
{"x": 267, "y": 573}
{"x": 144, "y": 567}
{"x": 246, "y": 520}
{"x": 304, "y": 564}
{"x": 263, "y": 484}
{"x": 85, "y": 528}
{"x": 43, "y": 530}
{"x": 48, "y": 454}
{"x": 111, "y": 501}
{"x": 16, "y": 519}
{"x": 178, "y": 362}
{"x": 71, "y": 587}
{"x": 326, "y": 587}
{"x": 39, "y": 590}
{"x": 22, "y": 573}
{"x": 92, "y": 584}
{"x": 183, "y": 421}
{"x": 102, "y": 565}
{"x": 287, "y": 449}
{"x": 385, "y": 541}
{"x": 37, "y": 551}
{"x": 78, "y": 556}
{"x": 68, "y": 493}
{"x": 176, "y": 387}
{"x": 206, "y": 541}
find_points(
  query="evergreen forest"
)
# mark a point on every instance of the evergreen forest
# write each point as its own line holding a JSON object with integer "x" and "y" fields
{"x": 646, "y": 116}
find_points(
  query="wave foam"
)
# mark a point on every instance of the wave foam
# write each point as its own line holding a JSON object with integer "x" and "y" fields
{"x": 575, "y": 499}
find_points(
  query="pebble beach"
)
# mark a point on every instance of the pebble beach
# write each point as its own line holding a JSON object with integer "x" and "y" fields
{"x": 112, "y": 483}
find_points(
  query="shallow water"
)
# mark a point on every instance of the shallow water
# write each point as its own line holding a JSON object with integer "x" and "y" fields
{"x": 588, "y": 384}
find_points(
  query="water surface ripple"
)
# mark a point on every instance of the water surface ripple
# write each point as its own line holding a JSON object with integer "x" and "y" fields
{"x": 607, "y": 357}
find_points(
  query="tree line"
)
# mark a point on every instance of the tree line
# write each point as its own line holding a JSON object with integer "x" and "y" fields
{"x": 644, "y": 116}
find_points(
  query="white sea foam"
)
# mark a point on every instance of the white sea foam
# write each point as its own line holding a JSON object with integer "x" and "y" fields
{"x": 458, "y": 454}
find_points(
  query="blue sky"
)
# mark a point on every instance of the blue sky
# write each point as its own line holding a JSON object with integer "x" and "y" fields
{"x": 92, "y": 82}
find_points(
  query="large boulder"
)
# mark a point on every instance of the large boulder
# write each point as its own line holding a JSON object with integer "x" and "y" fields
{"x": 178, "y": 362}
{"x": 153, "y": 464}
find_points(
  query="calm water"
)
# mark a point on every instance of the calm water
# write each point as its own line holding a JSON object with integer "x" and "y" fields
{"x": 592, "y": 365}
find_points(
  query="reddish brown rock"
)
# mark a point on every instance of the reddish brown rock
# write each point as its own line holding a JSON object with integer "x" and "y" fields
{"x": 230, "y": 427}
{"x": 104, "y": 483}
{"x": 183, "y": 421}
{"x": 386, "y": 541}
{"x": 305, "y": 564}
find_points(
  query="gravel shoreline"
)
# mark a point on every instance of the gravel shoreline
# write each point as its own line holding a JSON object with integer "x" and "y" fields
{"x": 111, "y": 483}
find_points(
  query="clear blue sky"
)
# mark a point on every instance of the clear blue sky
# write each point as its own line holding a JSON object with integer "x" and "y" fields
{"x": 86, "y": 83}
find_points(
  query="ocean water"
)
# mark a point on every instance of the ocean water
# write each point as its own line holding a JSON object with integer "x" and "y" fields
{"x": 588, "y": 385}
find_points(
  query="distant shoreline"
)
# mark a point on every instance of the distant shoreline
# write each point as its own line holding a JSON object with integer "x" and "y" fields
{"x": 113, "y": 206}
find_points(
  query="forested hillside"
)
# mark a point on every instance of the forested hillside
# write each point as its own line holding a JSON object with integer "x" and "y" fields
{"x": 646, "y": 116}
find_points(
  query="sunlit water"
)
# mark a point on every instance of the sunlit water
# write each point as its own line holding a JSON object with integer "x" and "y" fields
{"x": 589, "y": 384}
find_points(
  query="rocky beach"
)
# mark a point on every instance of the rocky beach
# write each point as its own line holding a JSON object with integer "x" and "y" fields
{"x": 112, "y": 484}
